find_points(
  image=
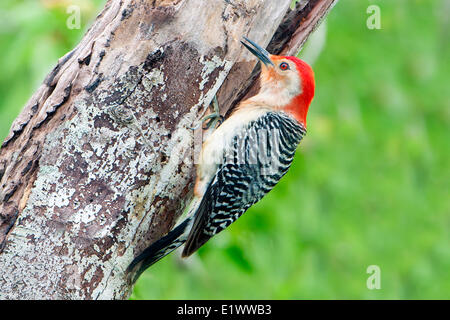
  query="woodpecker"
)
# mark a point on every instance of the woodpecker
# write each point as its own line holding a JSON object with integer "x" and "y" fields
{"x": 245, "y": 157}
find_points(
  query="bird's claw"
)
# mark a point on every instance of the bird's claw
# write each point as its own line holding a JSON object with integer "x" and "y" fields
{"x": 212, "y": 120}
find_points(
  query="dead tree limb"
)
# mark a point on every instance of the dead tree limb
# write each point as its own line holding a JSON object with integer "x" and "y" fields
{"x": 99, "y": 164}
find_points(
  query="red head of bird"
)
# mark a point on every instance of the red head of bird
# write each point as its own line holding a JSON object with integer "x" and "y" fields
{"x": 287, "y": 83}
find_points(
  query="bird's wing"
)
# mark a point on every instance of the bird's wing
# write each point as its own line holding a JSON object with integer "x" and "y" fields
{"x": 260, "y": 154}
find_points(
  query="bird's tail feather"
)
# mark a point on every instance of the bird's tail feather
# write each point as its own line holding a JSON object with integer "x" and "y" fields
{"x": 174, "y": 239}
{"x": 160, "y": 248}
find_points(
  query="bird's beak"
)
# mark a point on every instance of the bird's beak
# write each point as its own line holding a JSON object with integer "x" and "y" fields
{"x": 258, "y": 51}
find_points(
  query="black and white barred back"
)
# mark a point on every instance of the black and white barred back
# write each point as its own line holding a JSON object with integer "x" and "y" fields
{"x": 260, "y": 155}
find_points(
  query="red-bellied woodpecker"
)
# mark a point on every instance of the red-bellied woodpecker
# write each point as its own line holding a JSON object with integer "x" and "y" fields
{"x": 245, "y": 157}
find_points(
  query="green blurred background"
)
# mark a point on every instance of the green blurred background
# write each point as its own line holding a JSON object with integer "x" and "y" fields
{"x": 369, "y": 184}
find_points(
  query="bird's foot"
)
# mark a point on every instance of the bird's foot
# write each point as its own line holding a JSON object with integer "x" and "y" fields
{"x": 211, "y": 120}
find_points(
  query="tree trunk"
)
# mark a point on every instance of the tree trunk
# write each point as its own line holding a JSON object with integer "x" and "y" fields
{"x": 100, "y": 163}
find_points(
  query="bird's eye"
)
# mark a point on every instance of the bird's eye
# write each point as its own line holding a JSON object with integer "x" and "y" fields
{"x": 284, "y": 66}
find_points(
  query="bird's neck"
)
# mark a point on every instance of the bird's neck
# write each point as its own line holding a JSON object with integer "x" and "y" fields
{"x": 296, "y": 106}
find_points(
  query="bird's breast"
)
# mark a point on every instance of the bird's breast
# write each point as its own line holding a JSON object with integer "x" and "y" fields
{"x": 214, "y": 147}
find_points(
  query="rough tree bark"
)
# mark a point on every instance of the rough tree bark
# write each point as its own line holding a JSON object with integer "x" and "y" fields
{"x": 99, "y": 164}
